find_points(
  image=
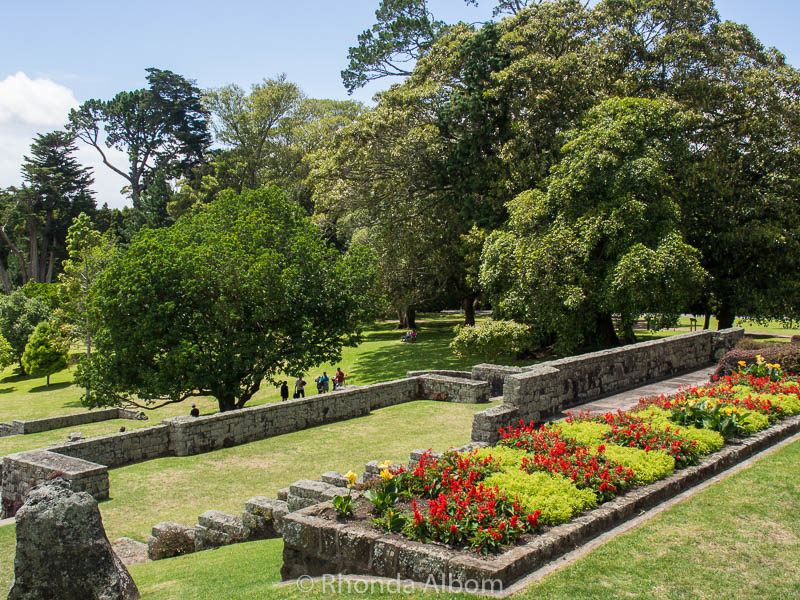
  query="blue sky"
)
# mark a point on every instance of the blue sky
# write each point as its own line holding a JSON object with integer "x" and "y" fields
{"x": 69, "y": 51}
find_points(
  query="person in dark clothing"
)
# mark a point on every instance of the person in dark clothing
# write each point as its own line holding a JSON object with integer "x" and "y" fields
{"x": 284, "y": 392}
{"x": 195, "y": 412}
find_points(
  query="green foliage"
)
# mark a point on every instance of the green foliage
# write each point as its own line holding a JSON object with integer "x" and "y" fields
{"x": 493, "y": 339}
{"x": 19, "y": 316}
{"x": 603, "y": 238}
{"x": 405, "y": 29}
{"x": 240, "y": 291}
{"x": 46, "y": 351}
{"x": 555, "y": 495}
{"x": 720, "y": 417}
{"x": 790, "y": 405}
{"x": 708, "y": 441}
{"x": 6, "y": 353}
{"x": 162, "y": 129}
{"x": 510, "y": 458}
{"x": 647, "y": 466}
{"x": 753, "y": 422}
{"x": 47, "y": 293}
{"x": 583, "y": 432}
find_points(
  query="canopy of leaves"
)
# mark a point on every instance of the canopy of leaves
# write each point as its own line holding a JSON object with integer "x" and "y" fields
{"x": 19, "y": 316}
{"x": 162, "y": 128}
{"x": 45, "y": 352}
{"x": 231, "y": 294}
{"x": 604, "y": 237}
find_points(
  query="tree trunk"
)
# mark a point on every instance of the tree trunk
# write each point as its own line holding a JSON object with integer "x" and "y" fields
{"x": 33, "y": 251}
{"x": 406, "y": 318}
{"x": 50, "y": 263}
{"x": 468, "y": 304}
{"x": 5, "y": 279}
{"x": 604, "y": 327}
{"x": 226, "y": 403}
{"x": 725, "y": 317}
{"x": 48, "y": 381}
{"x": 707, "y": 321}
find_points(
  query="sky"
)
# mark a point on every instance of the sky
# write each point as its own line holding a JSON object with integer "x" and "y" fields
{"x": 55, "y": 54}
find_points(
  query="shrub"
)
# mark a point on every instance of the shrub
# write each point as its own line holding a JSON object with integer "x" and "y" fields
{"x": 554, "y": 495}
{"x": 753, "y": 422}
{"x": 492, "y": 339}
{"x": 647, "y": 466}
{"x": 509, "y": 458}
{"x": 583, "y": 432}
{"x": 786, "y": 355}
{"x": 46, "y": 351}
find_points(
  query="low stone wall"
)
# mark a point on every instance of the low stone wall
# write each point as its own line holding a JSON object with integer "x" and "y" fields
{"x": 25, "y": 470}
{"x": 495, "y": 375}
{"x": 20, "y": 427}
{"x": 548, "y": 388}
{"x": 315, "y": 546}
{"x": 453, "y": 389}
{"x": 118, "y": 449}
{"x": 190, "y": 435}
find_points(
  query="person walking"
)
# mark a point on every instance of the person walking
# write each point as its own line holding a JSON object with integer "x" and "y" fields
{"x": 284, "y": 391}
{"x": 300, "y": 387}
{"x": 325, "y": 381}
{"x": 338, "y": 379}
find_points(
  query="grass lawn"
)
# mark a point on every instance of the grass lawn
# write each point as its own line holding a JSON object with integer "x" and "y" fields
{"x": 381, "y": 357}
{"x": 226, "y": 479}
{"x": 737, "y": 539}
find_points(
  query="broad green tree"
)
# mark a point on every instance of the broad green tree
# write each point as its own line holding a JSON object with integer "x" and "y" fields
{"x": 161, "y": 128}
{"x": 19, "y": 316}
{"x": 604, "y": 237}
{"x": 234, "y": 293}
{"x": 46, "y": 351}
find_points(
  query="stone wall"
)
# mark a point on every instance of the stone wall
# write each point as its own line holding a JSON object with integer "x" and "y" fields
{"x": 547, "y": 388}
{"x": 202, "y": 434}
{"x": 445, "y": 372}
{"x": 453, "y": 389}
{"x": 495, "y": 375}
{"x": 117, "y": 449}
{"x": 25, "y": 470}
{"x": 19, "y": 427}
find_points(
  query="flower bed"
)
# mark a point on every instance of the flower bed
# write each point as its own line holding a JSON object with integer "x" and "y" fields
{"x": 537, "y": 480}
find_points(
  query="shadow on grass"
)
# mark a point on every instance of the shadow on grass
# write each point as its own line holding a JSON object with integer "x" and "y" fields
{"x": 7, "y": 390}
{"x": 72, "y": 403}
{"x": 50, "y": 388}
{"x": 18, "y": 376}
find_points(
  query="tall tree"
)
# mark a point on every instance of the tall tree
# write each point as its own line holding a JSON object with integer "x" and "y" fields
{"x": 90, "y": 252}
{"x": 230, "y": 295}
{"x": 604, "y": 237}
{"x": 162, "y": 128}
{"x": 56, "y": 189}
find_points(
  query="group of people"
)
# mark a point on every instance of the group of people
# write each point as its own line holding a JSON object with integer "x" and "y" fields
{"x": 409, "y": 336}
{"x": 323, "y": 384}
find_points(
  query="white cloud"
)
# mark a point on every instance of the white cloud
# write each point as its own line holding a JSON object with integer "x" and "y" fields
{"x": 31, "y": 106}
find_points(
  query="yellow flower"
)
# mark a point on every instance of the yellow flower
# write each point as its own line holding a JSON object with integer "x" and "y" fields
{"x": 777, "y": 366}
{"x": 760, "y": 359}
{"x": 742, "y": 363}
{"x": 351, "y": 478}
{"x": 385, "y": 465}
{"x": 386, "y": 475}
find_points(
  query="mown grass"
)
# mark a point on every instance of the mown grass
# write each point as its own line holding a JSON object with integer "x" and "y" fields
{"x": 380, "y": 357}
{"x": 736, "y": 539}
